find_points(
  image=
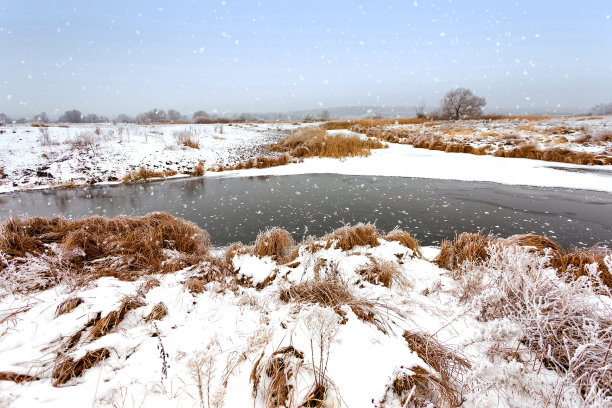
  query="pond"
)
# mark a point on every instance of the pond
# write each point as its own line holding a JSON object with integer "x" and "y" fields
{"x": 237, "y": 209}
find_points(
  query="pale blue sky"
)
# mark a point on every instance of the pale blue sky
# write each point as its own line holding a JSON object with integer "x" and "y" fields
{"x": 129, "y": 56}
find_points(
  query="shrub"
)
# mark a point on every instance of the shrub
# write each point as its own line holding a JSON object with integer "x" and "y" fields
{"x": 315, "y": 142}
{"x": 186, "y": 138}
{"x": 274, "y": 242}
{"x": 348, "y": 237}
{"x": 198, "y": 170}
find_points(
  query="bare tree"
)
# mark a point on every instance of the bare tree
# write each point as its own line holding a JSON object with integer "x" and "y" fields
{"x": 419, "y": 109}
{"x": 71, "y": 116}
{"x": 461, "y": 103}
{"x": 41, "y": 118}
{"x": 601, "y": 109}
{"x": 201, "y": 117}
{"x": 174, "y": 115}
{"x": 4, "y": 118}
{"x": 324, "y": 115}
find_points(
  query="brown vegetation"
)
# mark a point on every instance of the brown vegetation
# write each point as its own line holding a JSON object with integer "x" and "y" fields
{"x": 405, "y": 239}
{"x": 198, "y": 170}
{"x": 17, "y": 378}
{"x": 315, "y": 142}
{"x": 260, "y": 162}
{"x": 280, "y": 370}
{"x": 157, "y": 313}
{"x": 380, "y": 272}
{"x": 144, "y": 174}
{"x": 466, "y": 247}
{"x": 556, "y": 154}
{"x": 111, "y": 320}
{"x": 123, "y": 247}
{"x": 67, "y": 305}
{"x": 348, "y": 237}
{"x": 186, "y": 138}
{"x": 274, "y": 242}
{"x": 330, "y": 291}
{"x": 66, "y": 369}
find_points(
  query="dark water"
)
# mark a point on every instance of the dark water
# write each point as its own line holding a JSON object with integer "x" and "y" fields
{"x": 236, "y": 209}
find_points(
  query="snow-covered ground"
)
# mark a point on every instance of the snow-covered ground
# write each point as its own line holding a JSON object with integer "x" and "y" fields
{"x": 224, "y": 334}
{"x": 105, "y": 153}
{"x": 88, "y": 153}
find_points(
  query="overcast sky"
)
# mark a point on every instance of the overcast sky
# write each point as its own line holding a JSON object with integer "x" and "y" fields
{"x": 113, "y": 57}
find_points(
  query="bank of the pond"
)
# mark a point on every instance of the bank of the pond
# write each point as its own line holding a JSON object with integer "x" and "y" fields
{"x": 236, "y": 209}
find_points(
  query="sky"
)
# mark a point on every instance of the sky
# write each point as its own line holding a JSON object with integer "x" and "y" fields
{"x": 130, "y": 56}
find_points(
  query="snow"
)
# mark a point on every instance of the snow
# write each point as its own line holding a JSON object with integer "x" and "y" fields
{"x": 108, "y": 152}
{"x": 233, "y": 329}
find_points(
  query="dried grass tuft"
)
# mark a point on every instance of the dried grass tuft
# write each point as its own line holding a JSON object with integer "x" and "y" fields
{"x": 537, "y": 243}
{"x": 315, "y": 142}
{"x": 274, "y": 242}
{"x": 466, "y": 247}
{"x": 380, "y": 272}
{"x": 158, "y": 312}
{"x": 17, "y": 378}
{"x": 66, "y": 369}
{"x": 277, "y": 377}
{"x": 68, "y": 305}
{"x": 111, "y": 320}
{"x": 348, "y": 237}
{"x": 334, "y": 293}
{"x": 577, "y": 262}
{"x": 123, "y": 247}
{"x": 198, "y": 170}
{"x": 405, "y": 239}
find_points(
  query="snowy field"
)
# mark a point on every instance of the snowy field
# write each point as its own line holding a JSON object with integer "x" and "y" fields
{"x": 56, "y": 156}
{"x": 82, "y": 154}
{"x": 251, "y": 342}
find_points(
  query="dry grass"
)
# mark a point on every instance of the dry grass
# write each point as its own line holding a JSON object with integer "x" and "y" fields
{"x": 66, "y": 368}
{"x": 157, "y": 313}
{"x": 537, "y": 243}
{"x": 235, "y": 249}
{"x": 405, "y": 239}
{"x": 123, "y": 247}
{"x": 260, "y": 162}
{"x": 556, "y": 154}
{"x": 198, "y": 170}
{"x": 348, "y": 237}
{"x": 331, "y": 292}
{"x": 17, "y": 378}
{"x": 380, "y": 272}
{"x": 576, "y": 262}
{"x": 315, "y": 142}
{"x": 437, "y": 387}
{"x": 276, "y": 377}
{"x": 195, "y": 285}
{"x": 348, "y": 124}
{"x": 111, "y": 320}
{"x": 144, "y": 174}
{"x": 68, "y": 305}
{"x": 186, "y": 138}
{"x": 274, "y": 242}
{"x": 466, "y": 247}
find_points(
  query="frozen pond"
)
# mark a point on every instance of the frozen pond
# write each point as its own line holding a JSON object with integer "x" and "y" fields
{"x": 236, "y": 209}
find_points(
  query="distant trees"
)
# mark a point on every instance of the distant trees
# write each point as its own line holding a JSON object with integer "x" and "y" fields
{"x": 41, "y": 118}
{"x": 174, "y": 115}
{"x": 324, "y": 115}
{"x": 123, "y": 118}
{"x": 4, "y": 119}
{"x": 420, "y": 109}
{"x": 71, "y": 116}
{"x": 461, "y": 103}
{"x": 601, "y": 109}
{"x": 201, "y": 117}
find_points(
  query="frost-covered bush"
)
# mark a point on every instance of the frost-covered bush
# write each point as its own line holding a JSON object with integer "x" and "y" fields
{"x": 565, "y": 322}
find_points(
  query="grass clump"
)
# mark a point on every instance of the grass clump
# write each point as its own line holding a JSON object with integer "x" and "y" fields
{"x": 315, "y": 142}
{"x": 67, "y": 368}
{"x": 466, "y": 247}
{"x": 274, "y": 242}
{"x": 111, "y": 320}
{"x": 405, "y": 239}
{"x": 276, "y": 378}
{"x": 157, "y": 313}
{"x": 348, "y": 237}
{"x": 186, "y": 138}
{"x": 68, "y": 305}
{"x": 123, "y": 247}
{"x": 17, "y": 378}
{"x": 144, "y": 174}
{"x": 198, "y": 170}
{"x": 385, "y": 273}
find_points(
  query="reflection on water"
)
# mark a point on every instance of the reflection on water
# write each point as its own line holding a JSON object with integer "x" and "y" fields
{"x": 236, "y": 209}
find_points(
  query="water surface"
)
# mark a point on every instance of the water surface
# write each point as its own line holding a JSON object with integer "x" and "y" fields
{"x": 236, "y": 209}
